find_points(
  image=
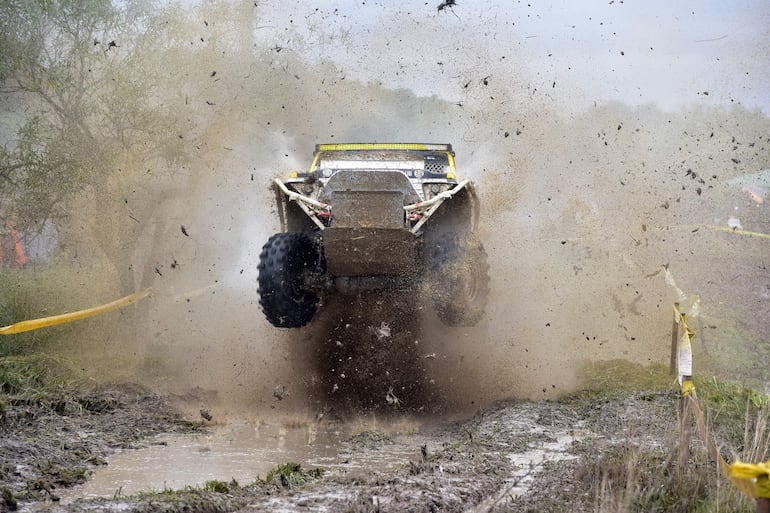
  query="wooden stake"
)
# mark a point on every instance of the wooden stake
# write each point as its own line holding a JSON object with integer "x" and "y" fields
{"x": 675, "y": 340}
{"x": 685, "y": 430}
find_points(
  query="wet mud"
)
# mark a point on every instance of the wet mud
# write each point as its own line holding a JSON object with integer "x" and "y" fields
{"x": 47, "y": 447}
{"x": 511, "y": 456}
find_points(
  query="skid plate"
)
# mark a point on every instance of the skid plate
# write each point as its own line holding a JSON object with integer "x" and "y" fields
{"x": 369, "y": 251}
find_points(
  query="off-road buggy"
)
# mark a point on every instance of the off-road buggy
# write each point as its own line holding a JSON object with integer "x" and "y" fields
{"x": 389, "y": 217}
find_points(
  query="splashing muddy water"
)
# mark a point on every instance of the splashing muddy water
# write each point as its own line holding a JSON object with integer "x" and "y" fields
{"x": 587, "y": 202}
{"x": 620, "y": 152}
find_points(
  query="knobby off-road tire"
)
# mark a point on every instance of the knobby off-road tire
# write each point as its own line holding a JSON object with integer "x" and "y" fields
{"x": 458, "y": 279}
{"x": 286, "y": 259}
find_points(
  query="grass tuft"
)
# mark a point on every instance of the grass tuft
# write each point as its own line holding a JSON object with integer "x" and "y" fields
{"x": 221, "y": 486}
{"x": 622, "y": 376}
{"x": 735, "y": 412}
{"x": 291, "y": 475}
{"x": 629, "y": 476}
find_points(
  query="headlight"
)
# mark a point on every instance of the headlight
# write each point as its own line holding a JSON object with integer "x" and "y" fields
{"x": 432, "y": 189}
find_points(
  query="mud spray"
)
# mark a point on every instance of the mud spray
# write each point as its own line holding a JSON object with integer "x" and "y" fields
{"x": 585, "y": 212}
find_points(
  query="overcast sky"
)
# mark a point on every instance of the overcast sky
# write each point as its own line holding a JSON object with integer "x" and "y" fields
{"x": 572, "y": 53}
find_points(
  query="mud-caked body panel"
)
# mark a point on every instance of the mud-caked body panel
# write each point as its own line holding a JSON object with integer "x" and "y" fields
{"x": 371, "y": 181}
{"x": 367, "y": 233}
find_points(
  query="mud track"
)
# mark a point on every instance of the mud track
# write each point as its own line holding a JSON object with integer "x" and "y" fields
{"x": 49, "y": 445}
{"x": 514, "y": 456}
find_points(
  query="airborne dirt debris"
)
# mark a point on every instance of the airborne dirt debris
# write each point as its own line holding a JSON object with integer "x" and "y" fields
{"x": 580, "y": 218}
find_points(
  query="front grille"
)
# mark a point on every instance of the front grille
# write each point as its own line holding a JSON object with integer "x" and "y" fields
{"x": 435, "y": 167}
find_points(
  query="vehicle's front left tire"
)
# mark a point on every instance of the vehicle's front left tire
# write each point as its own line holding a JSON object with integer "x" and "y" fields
{"x": 284, "y": 264}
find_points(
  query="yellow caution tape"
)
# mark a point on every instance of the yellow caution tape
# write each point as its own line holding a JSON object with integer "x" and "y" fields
{"x": 756, "y": 475}
{"x": 763, "y": 487}
{"x": 725, "y": 229}
{"x": 738, "y": 232}
{"x": 45, "y": 322}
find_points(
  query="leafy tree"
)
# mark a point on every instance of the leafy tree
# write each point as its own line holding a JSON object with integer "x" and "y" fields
{"x": 70, "y": 68}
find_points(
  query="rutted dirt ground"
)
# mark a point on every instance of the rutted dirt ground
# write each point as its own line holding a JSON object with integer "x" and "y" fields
{"x": 50, "y": 445}
{"x": 511, "y": 456}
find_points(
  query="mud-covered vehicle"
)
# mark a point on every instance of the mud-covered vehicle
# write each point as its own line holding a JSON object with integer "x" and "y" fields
{"x": 390, "y": 217}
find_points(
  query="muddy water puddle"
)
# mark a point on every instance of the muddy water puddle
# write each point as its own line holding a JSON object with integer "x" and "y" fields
{"x": 244, "y": 451}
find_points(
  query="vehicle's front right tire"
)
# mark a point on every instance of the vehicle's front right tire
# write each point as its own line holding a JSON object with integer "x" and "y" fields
{"x": 458, "y": 278}
{"x": 284, "y": 263}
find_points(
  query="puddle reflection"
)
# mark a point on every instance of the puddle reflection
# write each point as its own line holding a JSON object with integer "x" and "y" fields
{"x": 244, "y": 451}
{"x": 240, "y": 451}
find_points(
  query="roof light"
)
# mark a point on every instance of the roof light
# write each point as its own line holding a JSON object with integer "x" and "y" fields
{"x": 383, "y": 146}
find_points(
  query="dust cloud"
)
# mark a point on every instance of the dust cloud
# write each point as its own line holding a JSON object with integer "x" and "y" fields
{"x": 584, "y": 214}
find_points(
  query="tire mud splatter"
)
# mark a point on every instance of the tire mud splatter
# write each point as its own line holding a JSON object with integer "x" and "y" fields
{"x": 368, "y": 352}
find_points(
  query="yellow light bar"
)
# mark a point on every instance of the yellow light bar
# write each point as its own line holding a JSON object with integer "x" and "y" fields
{"x": 383, "y": 146}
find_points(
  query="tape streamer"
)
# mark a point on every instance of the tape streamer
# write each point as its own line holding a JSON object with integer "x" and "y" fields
{"x": 45, "y": 322}
{"x": 755, "y": 477}
{"x": 751, "y": 479}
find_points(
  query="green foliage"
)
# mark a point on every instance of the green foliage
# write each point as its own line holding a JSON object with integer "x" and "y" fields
{"x": 728, "y": 397}
{"x": 20, "y": 375}
{"x": 37, "y": 292}
{"x": 27, "y": 375}
{"x": 623, "y": 375}
{"x": 62, "y": 476}
{"x": 32, "y": 379}
{"x": 10, "y": 500}
{"x": 733, "y": 410}
{"x": 83, "y": 97}
{"x": 220, "y": 486}
{"x": 29, "y": 384}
